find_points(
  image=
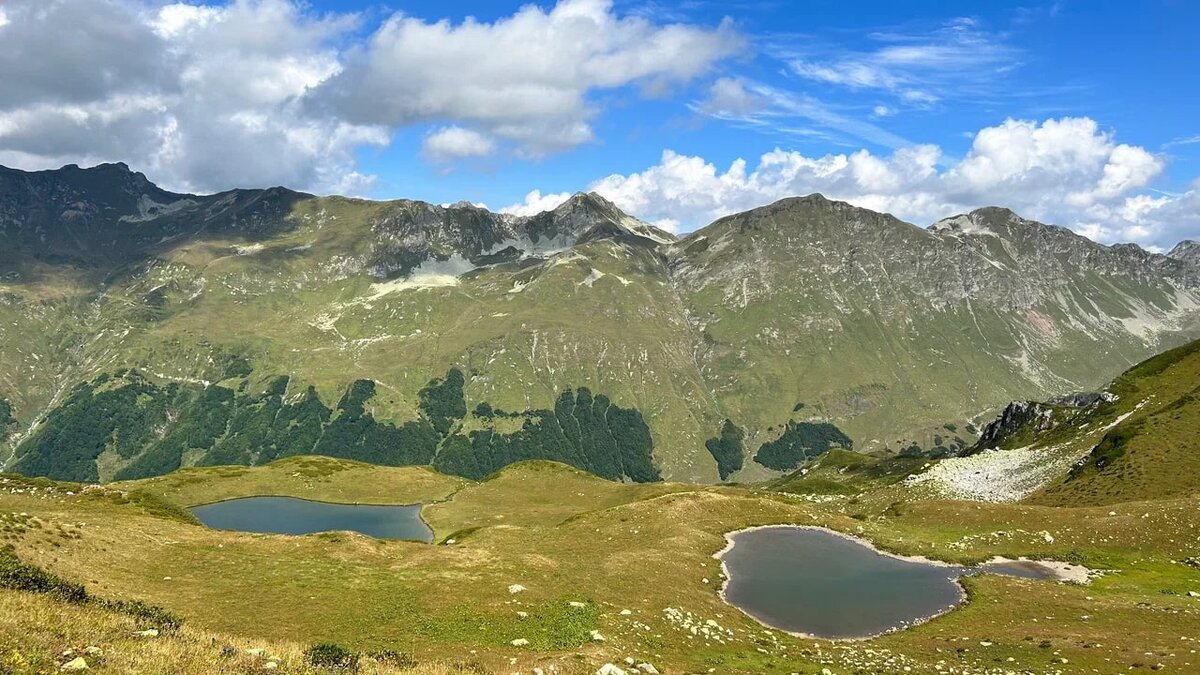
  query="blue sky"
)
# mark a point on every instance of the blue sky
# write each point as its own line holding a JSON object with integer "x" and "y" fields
{"x": 1125, "y": 65}
{"x": 1079, "y": 113}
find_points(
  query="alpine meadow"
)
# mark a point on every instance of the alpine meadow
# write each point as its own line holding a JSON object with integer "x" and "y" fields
{"x": 916, "y": 391}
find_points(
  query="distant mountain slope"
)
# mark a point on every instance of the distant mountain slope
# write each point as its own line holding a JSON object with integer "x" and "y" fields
{"x": 807, "y": 325}
{"x": 874, "y": 323}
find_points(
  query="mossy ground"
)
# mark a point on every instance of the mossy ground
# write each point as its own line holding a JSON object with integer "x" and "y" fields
{"x": 568, "y": 537}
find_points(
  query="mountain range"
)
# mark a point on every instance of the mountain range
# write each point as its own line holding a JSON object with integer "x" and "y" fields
{"x": 209, "y": 328}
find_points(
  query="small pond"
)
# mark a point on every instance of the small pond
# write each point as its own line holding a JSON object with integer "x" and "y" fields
{"x": 287, "y": 515}
{"x": 816, "y": 582}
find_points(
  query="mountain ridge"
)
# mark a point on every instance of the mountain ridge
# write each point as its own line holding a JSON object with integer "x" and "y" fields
{"x": 803, "y": 315}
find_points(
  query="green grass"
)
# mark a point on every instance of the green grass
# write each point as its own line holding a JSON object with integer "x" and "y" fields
{"x": 569, "y": 537}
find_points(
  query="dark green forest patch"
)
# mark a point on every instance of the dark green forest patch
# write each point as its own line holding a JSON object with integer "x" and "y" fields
{"x": 801, "y": 442}
{"x": 727, "y": 448}
{"x": 148, "y": 429}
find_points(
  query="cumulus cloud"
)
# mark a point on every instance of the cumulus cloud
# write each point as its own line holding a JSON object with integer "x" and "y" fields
{"x": 450, "y": 143}
{"x": 202, "y": 98}
{"x": 207, "y": 96}
{"x": 525, "y": 78}
{"x": 535, "y": 202}
{"x": 1066, "y": 171}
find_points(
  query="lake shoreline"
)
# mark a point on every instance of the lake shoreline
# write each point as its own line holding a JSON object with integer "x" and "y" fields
{"x": 1061, "y": 572}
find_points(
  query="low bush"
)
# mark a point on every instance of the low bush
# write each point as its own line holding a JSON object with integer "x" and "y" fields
{"x": 329, "y": 655}
{"x": 21, "y": 576}
{"x": 18, "y": 575}
{"x": 395, "y": 659}
{"x": 148, "y": 616}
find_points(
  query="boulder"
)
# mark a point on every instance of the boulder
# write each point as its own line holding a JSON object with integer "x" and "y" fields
{"x": 609, "y": 669}
{"x": 75, "y": 664}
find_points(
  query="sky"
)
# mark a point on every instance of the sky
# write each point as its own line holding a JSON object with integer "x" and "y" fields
{"x": 1080, "y": 113}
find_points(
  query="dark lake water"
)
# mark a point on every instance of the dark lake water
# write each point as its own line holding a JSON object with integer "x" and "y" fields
{"x": 818, "y": 583}
{"x": 286, "y": 515}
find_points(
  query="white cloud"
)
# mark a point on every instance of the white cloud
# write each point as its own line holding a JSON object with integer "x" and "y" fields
{"x": 524, "y": 78}
{"x": 730, "y": 96}
{"x": 206, "y": 96}
{"x": 535, "y": 202}
{"x": 450, "y": 143}
{"x": 954, "y": 60}
{"x": 1064, "y": 171}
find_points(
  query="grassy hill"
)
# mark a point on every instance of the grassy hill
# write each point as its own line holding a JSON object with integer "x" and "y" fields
{"x": 1135, "y": 442}
{"x": 1153, "y": 452}
{"x": 570, "y": 537}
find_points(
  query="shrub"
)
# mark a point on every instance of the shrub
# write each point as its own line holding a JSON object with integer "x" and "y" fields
{"x": 22, "y": 576}
{"x": 149, "y": 616}
{"x": 395, "y": 659}
{"x": 329, "y": 655}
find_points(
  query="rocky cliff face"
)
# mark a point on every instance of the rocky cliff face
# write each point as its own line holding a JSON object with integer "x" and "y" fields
{"x": 418, "y": 237}
{"x": 800, "y": 314}
{"x": 1187, "y": 252}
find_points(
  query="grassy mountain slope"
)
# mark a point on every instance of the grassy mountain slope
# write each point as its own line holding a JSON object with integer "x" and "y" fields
{"x": 887, "y": 331}
{"x": 1135, "y": 441}
{"x": 878, "y": 324}
{"x": 1153, "y": 453}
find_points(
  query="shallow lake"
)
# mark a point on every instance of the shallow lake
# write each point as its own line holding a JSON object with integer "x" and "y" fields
{"x": 287, "y": 515}
{"x": 818, "y": 583}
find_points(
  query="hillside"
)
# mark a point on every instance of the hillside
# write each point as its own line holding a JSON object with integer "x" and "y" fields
{"x": 1136, "y": 440}
{"x": 565, "y": 537}
{"x": 806, "y": 325}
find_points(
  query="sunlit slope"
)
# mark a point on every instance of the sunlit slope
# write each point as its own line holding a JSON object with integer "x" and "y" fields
{"x": 807, "y": 311}
{"x": 880, "y": 325}
{"x": 634, "y": 559}
{"x": 1154, "y": 451}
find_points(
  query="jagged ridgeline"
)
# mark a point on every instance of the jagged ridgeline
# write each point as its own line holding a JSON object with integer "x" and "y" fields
{"x": 123, "y": 426}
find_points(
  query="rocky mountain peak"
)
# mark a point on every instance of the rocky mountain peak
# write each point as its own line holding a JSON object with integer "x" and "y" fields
{"x": 1187, "y": 251}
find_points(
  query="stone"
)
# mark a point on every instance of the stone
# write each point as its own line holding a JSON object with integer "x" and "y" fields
{"x": 270, "y": 665}
{"x": 626, "y": 612}
{"x": 1193, "y": 594}
{"x": 257, "y": 652}
{"x": 577, "y": 604}
{"x": 148, "y": 633}
{"x": 610, "y": 669}
{"x": 75, "y": 664}
{"x": 520, "y": 642}
{"x": 93, "y": 651}
{"x": 647, "y": 668}
{"x": 597, "y": 637}
{"x": 516, "y": 588}
{"x": 522, "y": 615}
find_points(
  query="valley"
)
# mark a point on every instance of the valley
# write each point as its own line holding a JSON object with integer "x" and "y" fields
{"x": 580, "y": 409}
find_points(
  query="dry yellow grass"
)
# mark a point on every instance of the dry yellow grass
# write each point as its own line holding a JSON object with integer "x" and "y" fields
{"x": 568, "y": 537}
